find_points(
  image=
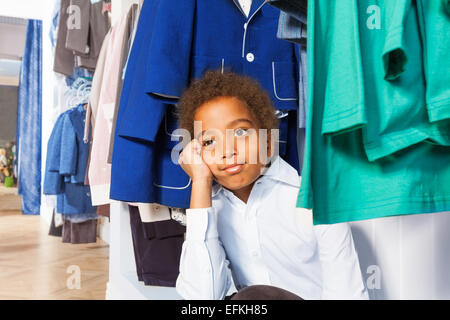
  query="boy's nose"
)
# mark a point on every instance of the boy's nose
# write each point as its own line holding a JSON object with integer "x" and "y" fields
{"x": 229, "y": 154}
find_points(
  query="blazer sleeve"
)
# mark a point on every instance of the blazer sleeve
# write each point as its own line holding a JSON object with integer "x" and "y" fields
{"x": 170, "y": 49}
{"x": 158, "y": 67}
{"x": 53, "y": 183}
{"x": 69, "y": 150}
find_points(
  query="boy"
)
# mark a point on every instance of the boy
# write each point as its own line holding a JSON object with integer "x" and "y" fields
{"x": 247, "y": 227}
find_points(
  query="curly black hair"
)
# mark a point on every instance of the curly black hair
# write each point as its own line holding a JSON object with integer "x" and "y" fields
{"x": 216, "y": 84}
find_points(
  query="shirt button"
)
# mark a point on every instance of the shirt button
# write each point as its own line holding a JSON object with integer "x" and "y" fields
{"x": 254, "y": 254}
{"x": 250, "y": 57}
{"x": 88, "y": 194}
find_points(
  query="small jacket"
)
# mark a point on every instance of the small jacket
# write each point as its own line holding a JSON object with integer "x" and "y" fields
{"x": 66, "y": 164}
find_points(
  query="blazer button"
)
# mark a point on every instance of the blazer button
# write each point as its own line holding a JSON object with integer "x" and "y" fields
{"x": 250, "y": 57}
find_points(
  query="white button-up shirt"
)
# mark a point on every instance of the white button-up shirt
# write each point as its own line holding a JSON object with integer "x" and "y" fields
{"x": 267, "y": 241}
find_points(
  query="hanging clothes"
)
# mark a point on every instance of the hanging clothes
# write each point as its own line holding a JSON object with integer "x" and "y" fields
{"x": 292, "y": 27}
{"x": 125, "y": 51}
{"x": 157, "y": 249}
{"x": 99, "y": 168}
{"x": 79, "y": 233}
{"x": 161, "y": 67}
{"x": 73, "y": 47}
{"x": 434, "y": 21}
{"x": 29, "y": 121}
{"x": 371, "y": 150}
{"x": 66, "y": 164}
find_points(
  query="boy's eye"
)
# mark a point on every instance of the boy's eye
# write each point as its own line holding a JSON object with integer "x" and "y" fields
{"x": 240, "y": 132}
{"x": 207, "y": 143}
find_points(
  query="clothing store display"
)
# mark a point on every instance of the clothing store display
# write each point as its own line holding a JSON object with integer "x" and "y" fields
{"x": 79, "y": 233}
{"x": 157, "y": 249}
{"x": 255, "y": 240}
{"x": 161, "y": 69}
{"x": 361, "y": 91}
{"x": 366, "y": 100}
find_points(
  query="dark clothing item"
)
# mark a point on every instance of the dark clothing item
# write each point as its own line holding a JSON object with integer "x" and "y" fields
{"x": 55, "y": 231}
{"x": 263, "y": 292}
{"x": 72, "y": 41}
{"x": 64, "y": 58}
{"x": 103, "y": 210}
{"x": 98, "y": 28}
{"x": 78, "y": 26}
{"x": 78, "y": 233}
{"x": 157, "y": 249}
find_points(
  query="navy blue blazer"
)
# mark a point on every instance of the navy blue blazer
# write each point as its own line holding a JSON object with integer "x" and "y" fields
{"x": 176, "y": 42}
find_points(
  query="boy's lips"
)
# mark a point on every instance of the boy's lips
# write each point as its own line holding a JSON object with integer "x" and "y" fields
{"x": 233, "y": 168}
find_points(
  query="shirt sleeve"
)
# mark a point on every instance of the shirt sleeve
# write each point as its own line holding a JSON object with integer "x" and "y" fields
{"x": 395, "y": 49}
{"x": 341, "y": 273}
{"x": 204, "y": 269}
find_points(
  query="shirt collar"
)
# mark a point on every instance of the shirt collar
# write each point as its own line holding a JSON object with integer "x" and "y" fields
{"x": 255, "y": 6}
{"x": 279, "y": 170}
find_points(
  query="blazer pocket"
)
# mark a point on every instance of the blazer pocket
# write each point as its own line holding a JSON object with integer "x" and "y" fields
{"x": 284, "y": 81}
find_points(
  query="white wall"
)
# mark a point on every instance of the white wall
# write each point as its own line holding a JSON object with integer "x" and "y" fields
{"x": 409, "y": 255}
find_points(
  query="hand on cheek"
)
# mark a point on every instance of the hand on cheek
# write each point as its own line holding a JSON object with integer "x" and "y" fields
{"x": 192, "y": 162}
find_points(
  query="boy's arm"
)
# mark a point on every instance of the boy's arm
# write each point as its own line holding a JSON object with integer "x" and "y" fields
{"x": 204, "y": 271}
{"x": 341, "y": 273}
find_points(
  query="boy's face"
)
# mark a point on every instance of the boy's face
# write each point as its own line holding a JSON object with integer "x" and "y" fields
{"x": 230, "y": 140}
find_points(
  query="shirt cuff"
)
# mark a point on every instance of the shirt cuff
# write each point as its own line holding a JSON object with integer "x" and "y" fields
{"x": 201, "y": 224}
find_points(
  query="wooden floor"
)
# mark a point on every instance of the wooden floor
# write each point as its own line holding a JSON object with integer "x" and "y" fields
{"x": 33, "y": 265}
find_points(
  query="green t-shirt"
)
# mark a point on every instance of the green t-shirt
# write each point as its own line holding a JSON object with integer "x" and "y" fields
{"x": 434, "y": 21}
{"x": 367, "y": 114}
